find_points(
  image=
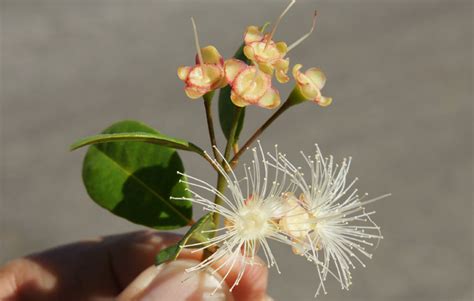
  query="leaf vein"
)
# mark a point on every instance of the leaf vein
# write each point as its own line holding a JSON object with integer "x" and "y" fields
{"x": 130, "y": 174}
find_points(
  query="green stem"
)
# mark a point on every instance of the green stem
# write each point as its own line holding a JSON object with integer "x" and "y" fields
{"x": 233, "y": 131}
{"x": 221, "y": 183}
{"x": 220, "y": 186}
{"x": 294, "y": 98}
{"x": 210, "y": 124}
{"x": 259, "y": 131}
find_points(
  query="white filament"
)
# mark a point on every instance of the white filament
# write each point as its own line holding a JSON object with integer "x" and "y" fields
{"x": 196, "y": 40}
{"x": 250, "y": 216}
{"x": 342, "y": 227}
{"x": 278, "y": 21}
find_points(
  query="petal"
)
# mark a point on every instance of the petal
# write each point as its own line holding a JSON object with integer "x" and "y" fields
{"x": 282, "y": 48}
{"x": 310, "y": 91}
{"x": 299, "y": 77}
{"x": 266, "y": 53}
{"x": 324, "y": 101}
{"x": 210, "y": 55}
{"x": 237, "y": 100}
{"x": 317, "y": 76}
{"x": 266, "y": 68}
{"x": 270, "y": 100}
{"x": 194, "y": 92}
{"x": 296, "y": 222}
{"x": 252, "y": 34}
{"x": 249, "y": 52}
{"x": 281, "y": 76}
{"x": 282, "y": 64}
{"x": 281, "y": 67}
{"x": 220, "y": 84}
{"x": 251, "y": 86}
{"x": 213, "y": 73}
{"x": 296, "y": 70}
{"x": 196, "y": 76}
{"x": 183, "y": 72}
{"x": 232, "y": 68}
{"x": 204, "y": 76}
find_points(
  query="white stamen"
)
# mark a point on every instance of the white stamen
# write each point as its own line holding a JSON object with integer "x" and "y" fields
{"x": 340, "y": 234}
{"x": 278, "y": 22}
{"x": 196, "y": 39}
{"x": 250, "y": 218}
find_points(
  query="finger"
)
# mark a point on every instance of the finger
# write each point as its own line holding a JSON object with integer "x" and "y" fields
{"x": 167, "y": 278}
{"x": 132, "y": 254}
{"x": 140, "y": 283}
{"x": 253, "y": 285}
{"x": 84, "y": 270}
{"x": 23, "y": 280}
{"x": 172, "y": 283}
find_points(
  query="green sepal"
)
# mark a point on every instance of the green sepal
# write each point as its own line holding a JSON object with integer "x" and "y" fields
{"x": 295, "y": 97}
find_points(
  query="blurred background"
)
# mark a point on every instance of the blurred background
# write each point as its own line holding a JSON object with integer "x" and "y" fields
{"x": 400, "y": 73}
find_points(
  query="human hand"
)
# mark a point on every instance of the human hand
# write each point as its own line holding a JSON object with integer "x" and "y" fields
{"x": 120, "y": 267}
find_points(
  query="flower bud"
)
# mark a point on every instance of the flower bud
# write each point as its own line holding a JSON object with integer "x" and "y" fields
{"x": 250, "y": 86}
{"x": 310, "y": 83}
{"x": 201, "y": 79}
{"x": 208, "y": 73}
{"x": 267, "y": 54}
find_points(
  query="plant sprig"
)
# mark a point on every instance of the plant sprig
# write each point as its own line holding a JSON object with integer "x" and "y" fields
{"x": 130, "y": 169}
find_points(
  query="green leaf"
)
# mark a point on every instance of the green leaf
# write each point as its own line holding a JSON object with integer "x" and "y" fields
{"x": 196, "y": 234}
{"x": 226, "y": 114}
{"x": 227, "y": 108}
{"x": 168, "y": 254}
{"x": 135, "y": 180}
{"x": 155, "y": 138}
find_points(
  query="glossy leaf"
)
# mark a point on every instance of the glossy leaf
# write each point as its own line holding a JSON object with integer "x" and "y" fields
{"x": 196, "y": 234}
{"x": 168, "y": 254}
{"x": 154, "y": 138}
{"x": 135, "y": 180}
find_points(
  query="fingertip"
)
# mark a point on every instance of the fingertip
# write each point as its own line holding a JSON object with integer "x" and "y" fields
{"x": 253, "y": 285}
{"x": 139, "y": 284}
{"x": 170, "y": 282}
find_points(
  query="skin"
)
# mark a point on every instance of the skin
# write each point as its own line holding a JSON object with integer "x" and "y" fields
{"x": 118, "y": 267}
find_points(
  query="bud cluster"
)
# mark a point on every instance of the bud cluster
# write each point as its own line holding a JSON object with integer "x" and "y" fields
{"x": 319, "y": 216}
{"x": 251, "y": 83}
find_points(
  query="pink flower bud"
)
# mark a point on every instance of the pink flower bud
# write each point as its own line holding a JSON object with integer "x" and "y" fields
{"x": 310, "y": 84}
{"x": 250, "y": 86}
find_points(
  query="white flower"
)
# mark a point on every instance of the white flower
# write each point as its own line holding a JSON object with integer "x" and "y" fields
{"x": 251, "y": 216}
{"x": 339, "y": 229}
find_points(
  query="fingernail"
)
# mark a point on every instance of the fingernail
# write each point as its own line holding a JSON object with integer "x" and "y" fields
{"x": 173, "y": 283}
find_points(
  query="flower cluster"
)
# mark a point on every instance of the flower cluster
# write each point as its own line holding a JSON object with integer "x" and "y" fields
{"x": 326, "y": 223}
{"x": 335, "y": 228}
{"x": 251, "y": 215}
{"x": 319, "y": 216}
{"x": 250, "y": 77}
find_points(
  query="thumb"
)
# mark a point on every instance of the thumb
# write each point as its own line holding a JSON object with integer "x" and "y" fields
{"x": 169, "y": 282}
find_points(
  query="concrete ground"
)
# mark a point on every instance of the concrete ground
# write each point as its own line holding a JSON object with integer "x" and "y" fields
{"x": 400, "y": 73}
